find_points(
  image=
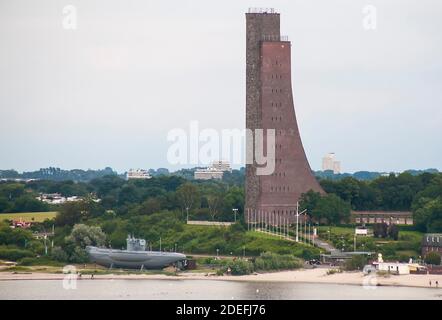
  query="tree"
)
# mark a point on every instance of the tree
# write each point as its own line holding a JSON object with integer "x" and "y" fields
{"x": 393, "y": 231}
{"x": 427, "y": 214}
{"x": 433, "y": 258}
{"x": 234, "y": 198}
{"x": 71, "y": 213}
{"x": 188, "y": 196}
{"x": 151, "y": 205}
{"x": 58, "y": 254}
{"x": 309, "y": 201}
{"x": 27, "y": 203}
{"x": 83, "y": 235}
{"x": 332, "y": 209}
{"x": 214, "y": 201}
{"x": 380, "y": 230}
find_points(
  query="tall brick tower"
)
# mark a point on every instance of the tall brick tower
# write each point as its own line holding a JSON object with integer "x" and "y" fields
{"x": 269, "y": 105}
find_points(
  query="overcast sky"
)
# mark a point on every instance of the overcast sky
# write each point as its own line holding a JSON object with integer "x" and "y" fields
{"x": 107, "y": 93}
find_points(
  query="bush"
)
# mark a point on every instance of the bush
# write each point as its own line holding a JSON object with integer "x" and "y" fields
{"x": 333, "y": 271}
{"x": 380, "y": 230}
{"x": 393, "y": 232}
{"x": 58, "y": 254}
{"x": 39, "y": 261}
{"x": 272, "y": 261}
{"x": 238, "y": 267}
{"x": 14, "y": 254}
{"x": 356, "y": 262}
{"x": 79, "y": 256}
{"x": 433, "y": 258}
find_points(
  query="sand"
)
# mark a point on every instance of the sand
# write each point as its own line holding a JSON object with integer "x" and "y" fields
{"x": 318, "y": 275}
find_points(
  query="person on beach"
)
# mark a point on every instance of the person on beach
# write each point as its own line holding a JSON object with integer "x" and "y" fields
{"x": 437, "y": 284}
{"x": 430, "y": 283}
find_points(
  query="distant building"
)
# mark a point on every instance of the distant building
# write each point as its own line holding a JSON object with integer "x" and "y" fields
{"x": 329, "y": 163}
{"x": 216, "y": 171}
{"x": 20, "y": 224}
{"x": 389, "y": 217}
{"x": 222, "y": 166}
{"x": 138, "y": 174}
{"x": 57, "y": 198}
{"x": 208, "y": 173}
{"x": 431, "y": 242}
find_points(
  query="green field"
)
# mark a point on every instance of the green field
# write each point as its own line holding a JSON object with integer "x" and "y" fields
{"x": 28, "y": 216}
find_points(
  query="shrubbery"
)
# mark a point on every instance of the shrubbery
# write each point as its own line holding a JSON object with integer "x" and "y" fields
{"x": 14, "y": 254}
{"x": 357, "y": 262}
{"x": 238, "y": 267}
{"x": 267, "y": 261}
{"x": 433, "y": 258}
{"x": 270, "y": 261}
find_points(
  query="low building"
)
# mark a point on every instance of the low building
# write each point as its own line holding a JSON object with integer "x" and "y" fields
{"x": 208, "y": 173}
{"x": 392, "y": 267}
{"x": 57, "y": 198}
{"x": 431, "y": 242}
{"x": 20, "y": 224}
{"x": 337, "y": 256}
{"x": 388, "y": 217}
{"x": 216, "y": 171}
{"x": 138, "y": 174}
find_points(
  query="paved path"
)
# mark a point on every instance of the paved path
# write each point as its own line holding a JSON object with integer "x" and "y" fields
{"x": 325, "y": 245}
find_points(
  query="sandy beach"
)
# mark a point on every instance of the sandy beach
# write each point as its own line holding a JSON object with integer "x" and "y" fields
{"x": 318, "y": 275}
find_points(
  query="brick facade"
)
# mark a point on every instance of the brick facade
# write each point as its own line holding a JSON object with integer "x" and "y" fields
{"x": 269, "y": 105}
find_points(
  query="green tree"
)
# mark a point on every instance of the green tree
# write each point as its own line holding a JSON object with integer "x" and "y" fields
{"x": 331, "y": 209}
{"x": 393, "y": 231}
{"x": 188, "y": 196}
{"x": 309, "y": 200}
{"x": 380, "y": 230}
{"x": 427, "y": 214}
{"x": 433, "y": 258}
{"x": 149, "y": 206}
{"x": 83, "y": 235}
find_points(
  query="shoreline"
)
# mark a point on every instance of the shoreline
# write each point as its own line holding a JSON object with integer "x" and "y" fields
{"x": 314, "y": 276}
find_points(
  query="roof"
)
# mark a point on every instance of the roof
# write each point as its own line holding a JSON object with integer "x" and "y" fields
{"x": 383, "y": 213}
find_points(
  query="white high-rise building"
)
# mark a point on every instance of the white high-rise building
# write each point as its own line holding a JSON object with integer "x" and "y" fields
{"x": 329, "y": 163}
{"x": 216, "y": 171}
{"x": 222, "y": 165}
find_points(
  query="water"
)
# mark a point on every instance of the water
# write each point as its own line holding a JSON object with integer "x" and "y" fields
{"x": 204, "y": 289}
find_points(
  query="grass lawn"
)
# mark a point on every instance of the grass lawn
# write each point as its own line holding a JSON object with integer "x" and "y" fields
{"x": 28, "y": 216}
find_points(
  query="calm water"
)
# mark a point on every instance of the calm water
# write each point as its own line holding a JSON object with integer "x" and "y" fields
{"x": 203, "y": 289}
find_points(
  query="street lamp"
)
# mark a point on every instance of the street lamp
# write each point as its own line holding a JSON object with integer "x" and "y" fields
{"x": 297, "y": 219}
{"x": 217, "y": 253}
{"x": 235, "y": 211}
{"x": 187, "y": 217}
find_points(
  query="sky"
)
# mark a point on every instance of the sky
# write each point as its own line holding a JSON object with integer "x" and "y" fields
{"x": 108, "y": 92}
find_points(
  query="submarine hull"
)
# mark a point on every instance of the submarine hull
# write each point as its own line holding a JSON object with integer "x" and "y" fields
{"x": 133, "y": 259}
